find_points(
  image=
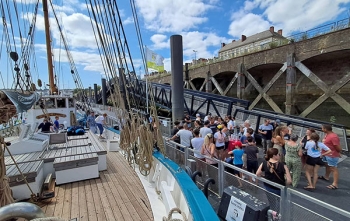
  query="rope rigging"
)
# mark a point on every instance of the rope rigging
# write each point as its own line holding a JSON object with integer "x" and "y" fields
{"x": 22, "y": 80}
{"x": 74, "y": 71}
{"x": 116, "y": 58}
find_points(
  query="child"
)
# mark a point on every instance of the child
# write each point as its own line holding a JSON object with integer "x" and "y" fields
{"x": 238, "y": 159}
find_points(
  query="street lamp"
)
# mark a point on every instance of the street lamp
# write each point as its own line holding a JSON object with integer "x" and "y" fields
{"x": 195, "y": 57}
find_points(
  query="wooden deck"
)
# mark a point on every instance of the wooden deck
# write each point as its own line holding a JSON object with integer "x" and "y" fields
{"x": 117, "y": 195}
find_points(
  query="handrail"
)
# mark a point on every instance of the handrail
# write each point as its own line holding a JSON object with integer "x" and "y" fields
{"x": 199, "y": 206}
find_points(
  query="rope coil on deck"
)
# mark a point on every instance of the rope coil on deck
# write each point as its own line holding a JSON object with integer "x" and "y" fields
{"x": 171, "y": 213}
{"x": 6, "y": 196}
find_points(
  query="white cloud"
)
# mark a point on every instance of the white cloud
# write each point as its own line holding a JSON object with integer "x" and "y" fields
{"x": 304, "y": 15}
{"x": 192, "y": 41}
{"x": 76, "y": 30}
{"x": 289, "y": 15}
{"x": 248, "y": 25}
{"x": 200, "y": 42}
{"x": 160, "y": 41}
{"x": 128, "y": 20}
{"x": 173, "y": 16}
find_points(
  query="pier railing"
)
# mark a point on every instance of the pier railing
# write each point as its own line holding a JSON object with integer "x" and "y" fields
{"x": 290, "y": 205}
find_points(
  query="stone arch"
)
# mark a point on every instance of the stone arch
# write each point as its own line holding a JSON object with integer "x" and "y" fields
{"x": 223, "y": 79}
{"x": 333, "y": 70}
{"x": 198, "y": 83}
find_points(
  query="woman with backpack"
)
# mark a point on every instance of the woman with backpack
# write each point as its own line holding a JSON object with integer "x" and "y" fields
{"x": 219, "y": 138}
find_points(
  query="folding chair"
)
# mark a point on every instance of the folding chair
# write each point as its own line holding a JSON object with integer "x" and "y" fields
{"x": 58, "y": 139}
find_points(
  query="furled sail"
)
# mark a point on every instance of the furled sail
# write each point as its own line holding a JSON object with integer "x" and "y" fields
{"x": 13, "y": 102}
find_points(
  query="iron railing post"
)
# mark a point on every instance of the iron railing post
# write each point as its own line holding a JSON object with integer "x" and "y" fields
{"x": 220, "y": 178}
{"x": 285, "y": 204}
{"x": 186, "y": 156}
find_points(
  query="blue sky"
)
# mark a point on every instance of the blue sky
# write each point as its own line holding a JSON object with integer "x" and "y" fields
{"x": 204, "y": 25}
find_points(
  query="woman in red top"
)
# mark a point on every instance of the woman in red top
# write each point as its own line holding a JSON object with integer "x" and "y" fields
{"x": 331, "y": 140}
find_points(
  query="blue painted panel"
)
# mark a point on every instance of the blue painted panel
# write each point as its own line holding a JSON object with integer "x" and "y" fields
{"x": 113, "y": 130}
{"x": 198, "y": 204}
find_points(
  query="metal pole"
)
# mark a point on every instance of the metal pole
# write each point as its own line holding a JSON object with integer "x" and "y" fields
{"x": 104, "y": 91}
{"x": 147, "y": 94}
{"x": 95, "y": 93}
{"x": 177, "y": 97}
{"x": 195, "y": 56}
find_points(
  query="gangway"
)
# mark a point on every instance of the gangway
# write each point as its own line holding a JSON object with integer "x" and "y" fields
{"x": 203, "y": 103}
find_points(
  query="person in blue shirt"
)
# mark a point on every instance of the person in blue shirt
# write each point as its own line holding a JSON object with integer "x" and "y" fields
{"x": 237, "y": 154}
{"x": 315, "y": 151}
{"x": 56, "y": 124}
{"x": 266, "y": 130}
{"x": 91, "y": 123}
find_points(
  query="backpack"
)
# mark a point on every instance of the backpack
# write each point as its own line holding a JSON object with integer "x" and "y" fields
{"x": 221, "y": 138}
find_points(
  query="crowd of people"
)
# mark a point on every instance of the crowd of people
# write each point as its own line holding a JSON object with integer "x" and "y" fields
{"x": 286, "y": 154}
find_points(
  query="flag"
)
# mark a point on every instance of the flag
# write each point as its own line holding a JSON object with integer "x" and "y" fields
{"x": 154, "y": 60}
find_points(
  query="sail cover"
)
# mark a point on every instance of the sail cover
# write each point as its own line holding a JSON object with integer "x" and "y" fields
{"x": 22, "y": 102}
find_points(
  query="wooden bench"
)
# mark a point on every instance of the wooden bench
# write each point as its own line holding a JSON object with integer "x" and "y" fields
{"x": 34, "y": 173}
{"x": 76, "y": 168}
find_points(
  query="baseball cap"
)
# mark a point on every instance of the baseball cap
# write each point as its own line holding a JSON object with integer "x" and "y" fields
{"x": 219, "y": 126}
{"x": 198, "y": 115}
{"x": 278, "y": 121}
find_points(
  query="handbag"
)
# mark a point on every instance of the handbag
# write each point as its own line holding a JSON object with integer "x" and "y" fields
{"x": 272, "y": 170}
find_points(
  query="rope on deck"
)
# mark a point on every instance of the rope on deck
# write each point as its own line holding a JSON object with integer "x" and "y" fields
{"x": 171, "y": 213}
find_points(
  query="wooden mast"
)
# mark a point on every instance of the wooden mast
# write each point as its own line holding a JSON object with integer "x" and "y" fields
{"x": 53, "y": 88}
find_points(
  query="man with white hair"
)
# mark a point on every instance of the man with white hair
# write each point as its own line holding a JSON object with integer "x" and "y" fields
{"x": 207, "y": 117}
{"x": 198, "y": 117}
{"x": 246, "y": 125}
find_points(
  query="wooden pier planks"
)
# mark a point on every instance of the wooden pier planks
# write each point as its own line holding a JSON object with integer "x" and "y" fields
{"x": 117, "y": 195}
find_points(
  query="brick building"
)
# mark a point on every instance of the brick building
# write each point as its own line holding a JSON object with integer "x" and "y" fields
{"x": 260, "y": 41}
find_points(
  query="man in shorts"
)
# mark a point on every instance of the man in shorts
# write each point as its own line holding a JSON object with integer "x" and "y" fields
{"x": 331, "y": 140}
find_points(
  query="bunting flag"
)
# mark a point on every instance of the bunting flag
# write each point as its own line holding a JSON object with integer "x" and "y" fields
{"x": 154, "y": 60}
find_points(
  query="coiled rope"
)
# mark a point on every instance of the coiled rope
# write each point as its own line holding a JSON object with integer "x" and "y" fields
{"x": 169, "y": 218}
{"x": 5, "y": 190}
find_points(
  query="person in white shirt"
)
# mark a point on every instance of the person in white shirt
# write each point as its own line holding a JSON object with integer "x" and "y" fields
{"x": 184, "y": 135}
{"x": 100, "y": 121}
{"x": 205, "y": 130}
{"x": 198, "y": 117}
{"x": 231, "y": 124}
{"x": 219, "y": 138}
{"x": 207, "y": 117}
{"x": 197, "y": 143}
{"x": 246, "y": 125}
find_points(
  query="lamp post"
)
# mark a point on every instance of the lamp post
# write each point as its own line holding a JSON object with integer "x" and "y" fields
{"x": 195, "y": 57}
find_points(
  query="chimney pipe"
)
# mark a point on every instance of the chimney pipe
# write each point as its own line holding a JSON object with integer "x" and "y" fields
{"x": 223, "y": 45}
{"x": 244, "y": 38}
{"x": 272, "y": 29}
{"x": 279, "y": 32}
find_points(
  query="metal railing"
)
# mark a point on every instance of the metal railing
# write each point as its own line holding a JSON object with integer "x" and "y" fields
{"x": 290, "y": 205}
